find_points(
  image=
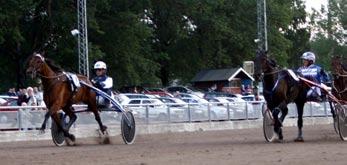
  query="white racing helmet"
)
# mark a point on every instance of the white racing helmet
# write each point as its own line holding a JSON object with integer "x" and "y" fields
{"x": 100, "y": 65}
{"x": 309, "y": 56}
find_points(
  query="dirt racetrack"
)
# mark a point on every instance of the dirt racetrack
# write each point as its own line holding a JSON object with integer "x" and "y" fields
{"x": 322, "y": 146}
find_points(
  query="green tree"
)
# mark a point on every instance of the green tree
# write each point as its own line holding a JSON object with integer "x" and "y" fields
{"x": 329, "y": 25}
{"x": 298, "y": 34}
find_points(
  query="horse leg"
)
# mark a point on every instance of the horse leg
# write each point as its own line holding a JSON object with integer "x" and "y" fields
{"x": 300, "y": 108}
{"x": 97, "y": 117}
{"x": 277, "y": 124}
{"x": 43, "y": 126}
{"x": 56, "y": 118}
{"x": 284, "y": 113}
{"x": 72, "y": 117}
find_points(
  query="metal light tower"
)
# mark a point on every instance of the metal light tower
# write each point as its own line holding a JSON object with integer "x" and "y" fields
{"x": 83, "y": 63}
{"x": 261, "y": 25}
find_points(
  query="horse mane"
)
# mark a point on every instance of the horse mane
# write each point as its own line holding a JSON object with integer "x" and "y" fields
{"x": 53, "y": 66}
{"x": 273, "y": 62}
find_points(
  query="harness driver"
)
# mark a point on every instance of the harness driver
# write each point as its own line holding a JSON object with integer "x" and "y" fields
{"x": 102, "y": 82}
{"x": 313, "y": 72}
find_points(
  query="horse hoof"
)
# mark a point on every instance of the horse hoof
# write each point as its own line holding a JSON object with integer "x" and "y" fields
{"x": 70, "y": 140}
{"x": 106, "y": 140}
{"x": 299, "y": 139}
{"x": 278, "y": 141}
{"x": 103, "y": 129}
{"x": 72, "y": 137}
{"x": 41, "y": 132}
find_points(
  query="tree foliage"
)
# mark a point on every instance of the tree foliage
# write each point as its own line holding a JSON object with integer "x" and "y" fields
{"x": 330, "y": 27}
{"x": 153, "y": 42}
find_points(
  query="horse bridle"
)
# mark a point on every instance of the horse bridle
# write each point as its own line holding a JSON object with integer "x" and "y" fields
{"x": 35, "y": 71}
{"x": 264, "y": 73}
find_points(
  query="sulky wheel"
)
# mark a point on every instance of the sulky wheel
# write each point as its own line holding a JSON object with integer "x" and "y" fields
{"x": 57, "y": 134}
{"x": 336, "y": 127}
{"x": 268, "y": 124}
{"x": 342, "y": 121}
{"x": 333, "y": 111}
{"x": 128, "y": 127}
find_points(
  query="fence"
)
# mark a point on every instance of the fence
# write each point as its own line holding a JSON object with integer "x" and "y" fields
{"x": 31, "y": 117}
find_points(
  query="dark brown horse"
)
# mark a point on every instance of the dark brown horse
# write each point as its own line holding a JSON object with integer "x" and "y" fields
{"x": 339, "y": 73}
{"x": 279, "y": 89}
{"x": 58, "y": 95}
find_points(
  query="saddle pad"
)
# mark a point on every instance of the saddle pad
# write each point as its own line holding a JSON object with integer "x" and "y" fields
{"x": 74, "y": 79}
{"x": 291, "y": 73}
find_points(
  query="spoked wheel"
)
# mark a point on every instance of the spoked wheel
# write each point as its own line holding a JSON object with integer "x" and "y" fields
{"x": 128, "y": 127}
{"x": 268, "y": 124}
{"x": 342, "y": 121}
{"x": 57, "y": 134}
{"x": 336, "y": 127}
{"x": 333, "y": 111}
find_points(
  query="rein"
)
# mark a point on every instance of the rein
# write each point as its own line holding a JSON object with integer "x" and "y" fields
{"x": 341, "y": 75}
{"x": 271, "y": 73}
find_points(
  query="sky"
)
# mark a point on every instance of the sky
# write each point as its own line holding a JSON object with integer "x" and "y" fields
{"x": 315, "y": 4}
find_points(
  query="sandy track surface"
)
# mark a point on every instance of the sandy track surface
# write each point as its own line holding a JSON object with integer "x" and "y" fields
{"x": 322, "y": 146}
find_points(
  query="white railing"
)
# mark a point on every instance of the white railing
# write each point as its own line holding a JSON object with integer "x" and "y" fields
{"x": 31, "y": 117}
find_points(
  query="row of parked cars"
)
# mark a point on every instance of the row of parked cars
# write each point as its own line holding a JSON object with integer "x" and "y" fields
{"x": 215, "y": 106}
{"x": 178, "y": 103}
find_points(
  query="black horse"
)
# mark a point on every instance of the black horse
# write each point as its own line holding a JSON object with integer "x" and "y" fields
{"x": 280, "y": 89}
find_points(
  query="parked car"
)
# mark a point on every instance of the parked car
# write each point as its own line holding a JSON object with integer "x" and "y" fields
{"x": 173, "y": 102}
{"x": 182, "y": 89}
{"x": 253, "y": 98}
{"x": 217, "y": 112}
{"x": 239, "y": 106}
{"x": 220, "y": 101}
{"x": 209, "y": 95}
{"x": 8, "y": 114}
{"x": 187, "y": 95}
{"x": 121, "y": 97}
{"x": 177, "y": 103}
{"x": 248, "y": 98}
{"x": 158, "y": 92}
{"x": 156, "y": 108}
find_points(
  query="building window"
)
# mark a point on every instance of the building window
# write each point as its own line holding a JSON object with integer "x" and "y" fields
{"x": 235, "y": 83}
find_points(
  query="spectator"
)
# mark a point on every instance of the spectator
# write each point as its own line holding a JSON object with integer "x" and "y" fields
{"x": 12, "y": 92}
{"x": 39, "y": 96}
{"x": 32, "y": 99}
{"x": 22, "y": 96}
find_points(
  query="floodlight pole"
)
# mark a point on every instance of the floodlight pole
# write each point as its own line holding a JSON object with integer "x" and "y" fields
{"x": 83, "y": 63}
{"x": 262, "y": 25}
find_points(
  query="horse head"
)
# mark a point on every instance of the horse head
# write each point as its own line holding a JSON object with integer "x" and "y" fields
{"x": 263, "y": 63}
{"x": 338, "y": 68}
{"x": 35, "y": 64}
